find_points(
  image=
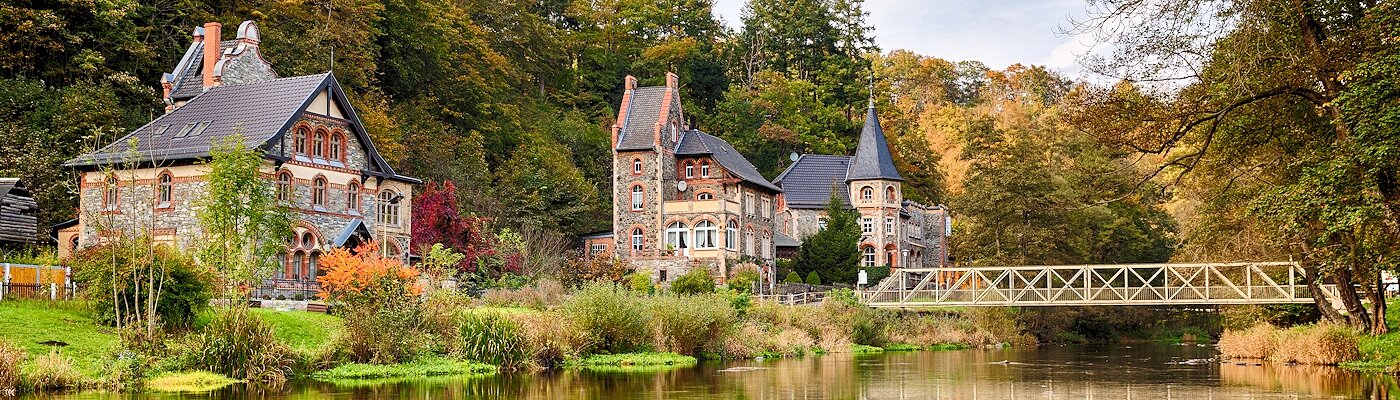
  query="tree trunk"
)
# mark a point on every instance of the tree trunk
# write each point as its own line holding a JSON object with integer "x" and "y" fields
{"x": 1356, "y": 311}
{"x": 1324, "y": 306}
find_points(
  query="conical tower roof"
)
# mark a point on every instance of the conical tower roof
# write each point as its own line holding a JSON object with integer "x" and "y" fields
{"x": 872, "y": 159}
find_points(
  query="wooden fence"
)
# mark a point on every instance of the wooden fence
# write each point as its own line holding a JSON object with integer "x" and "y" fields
{"x": 36, "y": 282}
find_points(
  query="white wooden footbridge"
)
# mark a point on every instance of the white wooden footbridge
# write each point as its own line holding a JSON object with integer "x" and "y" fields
{"x": 1086, "y": 285}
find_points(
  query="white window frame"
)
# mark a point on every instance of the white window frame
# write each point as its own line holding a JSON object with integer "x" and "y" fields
{"x": 637, "y": 239}
{"x": 638, "y": 197}
{"x": 388, "y": 212}
{"x": 637, "y": 166}
{"x": 731, "y": 235}
{"x": 705, "y": 196}
{"x": 867, "y": 193}
{"x": 748, "y": 203}
{"x": 676, "y": 237}
{"x": 748, "y": 243}
{"x": 889, "y": 225}
{"x": 767, "y": 204}
{"x": 705, "y": 170}
{"x": 867, "y": 224}
{"x": 689, "y": 171}
{"x": 705, "y": 234}
{"x": 821, "y": 223}
{"x": 597, "y": 248}
{"x": 867, "y": 258}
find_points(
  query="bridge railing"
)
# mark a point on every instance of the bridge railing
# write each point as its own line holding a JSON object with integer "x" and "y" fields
{"x": 1128, "y": 284}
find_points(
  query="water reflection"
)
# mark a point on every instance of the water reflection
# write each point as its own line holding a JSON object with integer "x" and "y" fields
{"x": 1051, "y": 372}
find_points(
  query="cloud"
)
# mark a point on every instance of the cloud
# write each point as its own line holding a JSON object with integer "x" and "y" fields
{"x": 996, "y": 32}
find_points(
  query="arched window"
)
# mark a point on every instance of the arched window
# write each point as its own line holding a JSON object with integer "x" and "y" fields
{"x": 636, "y": 166}
{"x": 352, "y": 196}
{"x": 748, "y": 242}
{"x": 868, "y": 260}
{"x": 637, "y": 197}
{"x": 636, "y": 239}
{"x": 889, "y": 193}
{"x": 705, "y": 196}
{"x": 388, "y": 209}
{"x": 705, "y": 169}
{"x": 318, "y": 148}
{"x": 165, "y": 188}
{"x": 337, "y": 146}
{"x": 765, "y": 245}
{"x": 299, "y": 138}
{"x": 705, "y": 235}
{"x": 308, "y": 271}
{"x": 298, "y": 259}
{"x": 318, "y": 191}
{"x": 109, "y": 193}
{"x": 284, "y": 186}
{"x": 867, "y": 193}
{"x": 731, "y": 235}
{"x": 677, "y": 235}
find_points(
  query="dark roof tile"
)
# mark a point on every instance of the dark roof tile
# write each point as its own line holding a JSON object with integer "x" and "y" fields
{"x": 872, "y": 159}
{"x": 810, "y": 181}
{"x": 643, "y": 111}
{"x": 695, "y": 143}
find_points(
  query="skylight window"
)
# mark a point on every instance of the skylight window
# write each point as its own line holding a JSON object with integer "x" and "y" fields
{"x": 161, "y": 130}
{"x": 193, "y": 129}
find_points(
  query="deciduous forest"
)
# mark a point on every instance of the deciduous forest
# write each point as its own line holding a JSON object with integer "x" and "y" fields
{"x": 1204, "y": 131}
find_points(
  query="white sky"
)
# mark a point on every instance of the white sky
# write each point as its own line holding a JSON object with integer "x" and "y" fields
{"x": 996, "y": 32}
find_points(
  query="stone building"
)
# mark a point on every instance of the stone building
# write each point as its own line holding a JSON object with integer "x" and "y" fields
{"x": 682, "y": 198}
{"x": 317, "y": 157}
{"x": 685, "y": 199}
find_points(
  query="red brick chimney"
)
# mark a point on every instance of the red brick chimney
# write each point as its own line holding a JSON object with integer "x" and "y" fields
{"x": 629, "y": 83}
{"x": 212, "y": 36}
{"x": 672, "y": 81}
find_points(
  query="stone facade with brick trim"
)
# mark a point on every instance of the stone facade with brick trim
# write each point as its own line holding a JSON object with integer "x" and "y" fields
{"x": 318, "y": 158}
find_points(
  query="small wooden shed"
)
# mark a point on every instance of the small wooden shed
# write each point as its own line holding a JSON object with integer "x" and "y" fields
{"x": 18, "y": 222}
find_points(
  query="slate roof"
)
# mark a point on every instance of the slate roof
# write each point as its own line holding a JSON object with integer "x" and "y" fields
{"x": 781, "y": 240}
{"x": 189, "y": 78}
{"x": 872, "y": 159}
{"x": 697, "y": 143}
{"x": 261, "y": 112}
{"x": 809, "y": 182}
{"x": 643, "y": 111}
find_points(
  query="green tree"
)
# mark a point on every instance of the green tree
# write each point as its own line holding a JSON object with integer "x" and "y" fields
{"x": 832, "y": 252}
{"x": 244, "y": 227}
{"x": 813, "y": 278}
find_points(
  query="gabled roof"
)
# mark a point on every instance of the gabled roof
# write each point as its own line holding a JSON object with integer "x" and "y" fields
{"x": 261, "y": 112}
{"x": 642, "y": 113}
{"x": 810, "y": 181}
{"x": 696, "y": 143}
{"x": 872, "y": 159}
{"x": 188, "y": 79}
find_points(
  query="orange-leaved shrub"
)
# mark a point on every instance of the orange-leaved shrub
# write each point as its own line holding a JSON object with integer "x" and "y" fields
{"x": 379, "y": 298}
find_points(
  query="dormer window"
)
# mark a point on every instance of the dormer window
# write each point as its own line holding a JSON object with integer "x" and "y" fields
{"x": 867, "y": 193}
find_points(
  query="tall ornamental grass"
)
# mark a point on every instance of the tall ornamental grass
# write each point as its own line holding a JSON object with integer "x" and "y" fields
{"x": 238, "y": 344}
{"x": 616, "y": 320}
{"x": 1320, "y": 344}
{"x": 11, "y": 358}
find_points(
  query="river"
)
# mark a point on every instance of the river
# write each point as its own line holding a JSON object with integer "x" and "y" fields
{"x": 1137, "y": 371}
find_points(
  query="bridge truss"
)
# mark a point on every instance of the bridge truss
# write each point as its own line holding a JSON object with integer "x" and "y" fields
{"x": 1130, "y": 284}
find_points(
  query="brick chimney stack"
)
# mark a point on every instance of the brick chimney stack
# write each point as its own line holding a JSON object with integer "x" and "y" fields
{"x": 212, "y": 37}
{"x": 629, "y": 83}
{"x": 672, "y": 81}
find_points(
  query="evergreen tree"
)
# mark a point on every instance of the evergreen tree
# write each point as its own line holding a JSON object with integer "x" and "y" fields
{"x": 833, "y": 251}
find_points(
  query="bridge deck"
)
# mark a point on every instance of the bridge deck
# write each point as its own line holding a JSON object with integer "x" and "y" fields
{"x": 1129, "y": 284}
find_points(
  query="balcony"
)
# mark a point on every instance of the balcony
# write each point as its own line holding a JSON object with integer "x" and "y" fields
{"x": 699, "y": 206}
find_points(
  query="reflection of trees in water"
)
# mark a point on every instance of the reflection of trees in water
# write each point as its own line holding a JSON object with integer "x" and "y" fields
{"x": 1309, "y": 379}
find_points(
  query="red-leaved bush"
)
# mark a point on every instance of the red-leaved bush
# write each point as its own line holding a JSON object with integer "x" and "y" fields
{"x": 436, "y": 220}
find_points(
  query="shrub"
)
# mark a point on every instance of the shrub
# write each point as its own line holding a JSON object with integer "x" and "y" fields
{"x": 241, "y": 345}
{"x": 813, "y": 278}
{"x": 185, "y": 287}
{"x": 11, "y": 358}
{"x": 743, "y": 281}
{"x": 1256, "y": 342}
{"x": 792, "y": 277}
{"x": 615, "y": 320}
{"x": 53, "y": 372}
{"x": 380, "y": 303}
{"x": 1321, "y": 344}
{"x": 695, "y": 281}
{"x": 692, "y": 324}
{"x": 639, "y": 282}
{"x": 493, "y": 338}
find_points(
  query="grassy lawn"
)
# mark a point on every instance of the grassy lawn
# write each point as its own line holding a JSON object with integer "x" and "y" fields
{"x": 29, "y": 324}
{"x": 302, "y": 330}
